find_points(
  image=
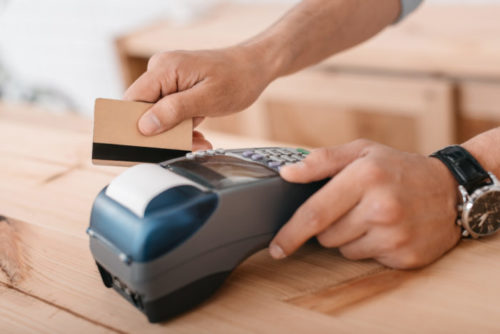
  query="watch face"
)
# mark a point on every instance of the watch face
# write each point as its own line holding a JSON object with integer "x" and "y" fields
{"x": 484, "y": 216}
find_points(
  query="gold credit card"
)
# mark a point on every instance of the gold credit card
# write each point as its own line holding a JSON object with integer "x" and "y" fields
{"x": 117, "y": 140}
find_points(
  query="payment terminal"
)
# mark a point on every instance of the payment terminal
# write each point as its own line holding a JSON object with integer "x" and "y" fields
{"x": 165, "y": 236}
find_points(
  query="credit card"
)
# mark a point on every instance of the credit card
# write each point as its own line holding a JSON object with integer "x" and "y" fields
{"x": 117, "y": 140}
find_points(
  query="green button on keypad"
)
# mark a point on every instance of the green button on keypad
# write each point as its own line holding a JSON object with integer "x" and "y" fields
{"x": 303, "y": 151}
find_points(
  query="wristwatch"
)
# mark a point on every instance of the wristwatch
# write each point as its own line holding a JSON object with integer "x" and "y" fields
{"x": 479, "y": 200}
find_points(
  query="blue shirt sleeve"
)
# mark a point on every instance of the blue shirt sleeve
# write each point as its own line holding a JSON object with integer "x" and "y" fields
{"x": 408, "y": 6}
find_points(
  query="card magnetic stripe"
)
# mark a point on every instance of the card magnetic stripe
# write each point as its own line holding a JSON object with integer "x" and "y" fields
{"x": 102, "y": 151}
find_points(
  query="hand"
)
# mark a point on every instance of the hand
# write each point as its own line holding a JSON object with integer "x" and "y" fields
{"x": 195, "y": 84}
{"x": 199, "y": 142}
{"x": 395, "y": 207}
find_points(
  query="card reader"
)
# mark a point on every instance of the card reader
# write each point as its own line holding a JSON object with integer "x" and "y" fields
{"x": 165, "y": 236}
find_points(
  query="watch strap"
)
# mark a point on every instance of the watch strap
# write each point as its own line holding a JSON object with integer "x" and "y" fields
{"x": 465, "y": 168}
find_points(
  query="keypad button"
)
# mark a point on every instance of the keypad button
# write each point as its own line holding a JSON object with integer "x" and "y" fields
{"x": 274, "y": 164}
{"x": 287, "y": 158}
{"x": 284, "y": 151}
{"x": 190, "y": 155}
{"x": 297, "y": 157}
{"x": 211, "y": 152}
{"x": 200, "y": 154}
{"x": 220, "y": 151}
{"x": 257, "y": 157}
{"x": 303, "y": 151}
{"x": 247, "y": 154}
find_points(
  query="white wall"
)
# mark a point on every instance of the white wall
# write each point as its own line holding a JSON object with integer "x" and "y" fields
{"x": 67, "y": 44}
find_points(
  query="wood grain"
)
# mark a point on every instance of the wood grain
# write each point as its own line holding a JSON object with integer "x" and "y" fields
{"x": 329, "y": 108}
{"x": 12, "y": 265}
{"x": 53, "y": 285}
{"x": 21, "y": 313}
{"x": 335, "y": 299}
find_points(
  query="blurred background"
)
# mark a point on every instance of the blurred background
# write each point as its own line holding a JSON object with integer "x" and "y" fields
{"x": 431, "y": 81}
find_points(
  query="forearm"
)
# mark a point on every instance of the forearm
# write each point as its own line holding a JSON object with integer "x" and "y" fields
{"x": 486, "y": 149}
{"x": 316, "y": 29}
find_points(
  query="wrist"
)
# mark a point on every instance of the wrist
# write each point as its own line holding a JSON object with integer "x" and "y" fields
{"x": 447, "y": 180}
{"x": 269, "y": 54}
{"x": 449, "y": 185}
{"x": 483, "y": 150}
{"x": 485, "y": 147}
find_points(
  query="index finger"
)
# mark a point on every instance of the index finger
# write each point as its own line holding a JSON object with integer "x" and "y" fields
{"x": 147, "y": 88}
{"x": 327, "y": 205}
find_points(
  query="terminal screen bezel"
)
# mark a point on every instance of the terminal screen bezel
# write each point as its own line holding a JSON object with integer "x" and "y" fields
{"x": 221, "y": 171}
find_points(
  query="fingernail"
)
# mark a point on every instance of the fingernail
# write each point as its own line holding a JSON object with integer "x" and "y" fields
{"x": 276, "y": 252}
{"x": 149, "y": 124}
{"x": 296, "y": 165}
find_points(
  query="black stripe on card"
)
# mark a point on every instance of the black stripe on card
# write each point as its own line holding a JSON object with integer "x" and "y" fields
{"x": 115, "y": 152}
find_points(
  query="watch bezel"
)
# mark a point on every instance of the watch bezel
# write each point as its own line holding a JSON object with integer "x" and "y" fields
{"x": 468, "y": 204}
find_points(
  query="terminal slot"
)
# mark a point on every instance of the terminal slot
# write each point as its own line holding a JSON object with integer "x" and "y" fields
{"x": 128, "y": 294}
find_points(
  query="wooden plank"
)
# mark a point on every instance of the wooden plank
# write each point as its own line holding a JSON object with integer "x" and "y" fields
{"x": 21, "y": 313}
{"x": 434, "y": 40}
{"x": 478, "y": 108}
{"x": 47, "y": 259}
{"x": 468, "y": 127}
{"x": 453, "y": 295}
{"x": 28, "y": 114}
{"x": 388, "y": 94}
{"x": 60, "y": 270}
{"x": 223, "y": 26}
{"x": 319, "y": 125}
{"x": 251, "y": 123}
{"x": 50, "y": 145}
{"x": 337, "y": 298}
{"x": 480, "y": 100}
{"x": 24, "y": 171}
{"x": 62, "y": 202}
{"x": 429, "y": 102}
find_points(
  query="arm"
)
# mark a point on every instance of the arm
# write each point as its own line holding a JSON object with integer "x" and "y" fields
{"x": 317, "y": 29}
{"x": 396, "y": 207}
{"x": 217, "y": 82}
{"x": 486, "y": 149}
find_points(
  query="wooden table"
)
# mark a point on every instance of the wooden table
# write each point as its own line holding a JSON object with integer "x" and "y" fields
{"x": 428, "y": 82}
{"x": 49, "y": 282}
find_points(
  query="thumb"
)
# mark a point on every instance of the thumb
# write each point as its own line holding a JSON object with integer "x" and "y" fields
{"x": 170, "y": 111}
{"x": 324, "y": 162}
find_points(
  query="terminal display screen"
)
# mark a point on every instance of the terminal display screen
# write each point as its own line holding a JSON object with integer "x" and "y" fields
{"x": 222, "y": 171}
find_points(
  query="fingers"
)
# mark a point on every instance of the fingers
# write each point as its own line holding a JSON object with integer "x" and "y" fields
{"x": 171, "y": 110}
{"x": 350, "y": 227}
{"x": 365, "y": 247}
{"x": 327, "y": 205}
{"x": 147, "y": 88}
{"x": 393, "y": 248}
{"x": 197, "y": 121}
{"x": 199, "y": 142}
{"x": 167, "y": 112}
{"x": 324, "y": 162}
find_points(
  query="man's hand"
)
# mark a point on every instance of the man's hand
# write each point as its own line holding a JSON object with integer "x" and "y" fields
{"x": 195, "y": 84}
{"x": 398, "y": 208}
